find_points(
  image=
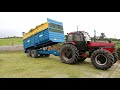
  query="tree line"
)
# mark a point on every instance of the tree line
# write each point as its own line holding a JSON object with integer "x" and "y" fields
{"x": 10, "y": 37}
{"x": 102, "y": 37}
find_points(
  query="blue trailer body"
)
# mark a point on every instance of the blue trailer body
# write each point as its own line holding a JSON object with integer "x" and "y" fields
{"x": 52, "y": 35}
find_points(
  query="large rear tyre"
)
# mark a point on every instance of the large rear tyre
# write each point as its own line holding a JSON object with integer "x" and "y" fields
{"x": 34, "y": 54}
{"x": 69, "y": 54}
{"x": 102, "y": 59}
{"x": 115, "y": 55}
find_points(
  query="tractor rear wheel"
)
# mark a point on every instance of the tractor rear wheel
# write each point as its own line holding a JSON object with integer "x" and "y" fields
{"x": 69, "y": 54}
{"x": 102, "y": 59}
{"x": 34, "y": 54}
{"x": 115, "y": 55}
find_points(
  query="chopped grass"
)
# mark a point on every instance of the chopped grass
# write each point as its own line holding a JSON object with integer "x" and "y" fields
{"x": 18, "y": 65}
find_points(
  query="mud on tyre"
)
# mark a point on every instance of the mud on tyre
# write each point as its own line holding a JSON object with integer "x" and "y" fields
{"x": 102, "y": 59}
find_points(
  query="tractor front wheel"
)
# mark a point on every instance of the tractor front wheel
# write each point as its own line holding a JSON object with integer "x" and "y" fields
{"x": 102, "y": 59}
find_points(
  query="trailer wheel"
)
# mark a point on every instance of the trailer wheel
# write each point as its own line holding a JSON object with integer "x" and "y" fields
{"x": 102, "y": 59}
{"x": 115, "y": 55}
{"x": 69, "y": 54}
{"x": 34, "y": 53}
{"x": 28, "y": 52}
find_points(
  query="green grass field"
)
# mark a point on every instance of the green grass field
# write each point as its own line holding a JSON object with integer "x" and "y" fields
{"x": 11, "y": 41}
{"x": 19, "y": 41}
{"x": 18, "y": 65}
{"x": 117, "y": 44}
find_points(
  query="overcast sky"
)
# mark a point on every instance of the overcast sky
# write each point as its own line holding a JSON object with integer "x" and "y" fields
{"x": 14, "y": 23}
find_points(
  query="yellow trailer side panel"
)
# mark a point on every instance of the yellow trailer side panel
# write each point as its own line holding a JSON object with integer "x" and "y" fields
{"x": 36, "y": 30}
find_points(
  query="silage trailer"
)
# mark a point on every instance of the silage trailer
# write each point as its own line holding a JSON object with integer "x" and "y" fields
{"x": 37, "y": 40}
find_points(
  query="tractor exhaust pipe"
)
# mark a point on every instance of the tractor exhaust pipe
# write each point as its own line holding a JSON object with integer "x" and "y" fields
{"x": 94, "y": 35}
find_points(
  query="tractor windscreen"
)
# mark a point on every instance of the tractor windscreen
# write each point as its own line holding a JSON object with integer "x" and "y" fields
{"x": 87, "y": 36}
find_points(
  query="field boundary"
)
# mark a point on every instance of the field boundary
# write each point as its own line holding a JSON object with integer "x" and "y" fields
{"x": 11, "y": 48}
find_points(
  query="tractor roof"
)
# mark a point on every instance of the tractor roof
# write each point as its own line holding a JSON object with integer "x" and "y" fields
{"x": 77, "y": 32}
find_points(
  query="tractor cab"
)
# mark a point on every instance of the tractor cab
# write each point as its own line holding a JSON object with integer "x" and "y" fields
{"x": 79, "y": 38}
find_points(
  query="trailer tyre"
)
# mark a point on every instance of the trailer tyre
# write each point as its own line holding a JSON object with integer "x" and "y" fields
{"x": 115, "y": 55}
{"x": 102, "y": 59}
{"x": 28, "y": 52}
{"x": 34, "y": 54}
{"x": 69, "y": 54}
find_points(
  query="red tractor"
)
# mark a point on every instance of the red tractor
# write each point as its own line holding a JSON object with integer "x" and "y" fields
{"x": 78, "y": 47}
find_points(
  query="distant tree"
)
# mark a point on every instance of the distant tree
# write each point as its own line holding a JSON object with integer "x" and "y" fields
{"x": 102, "y": 36}
{"x": 14, "y": 36}
{"x": 93, "y": 38}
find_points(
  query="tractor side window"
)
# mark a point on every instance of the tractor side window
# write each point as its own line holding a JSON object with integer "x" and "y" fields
{"x": 70, "y": 38}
